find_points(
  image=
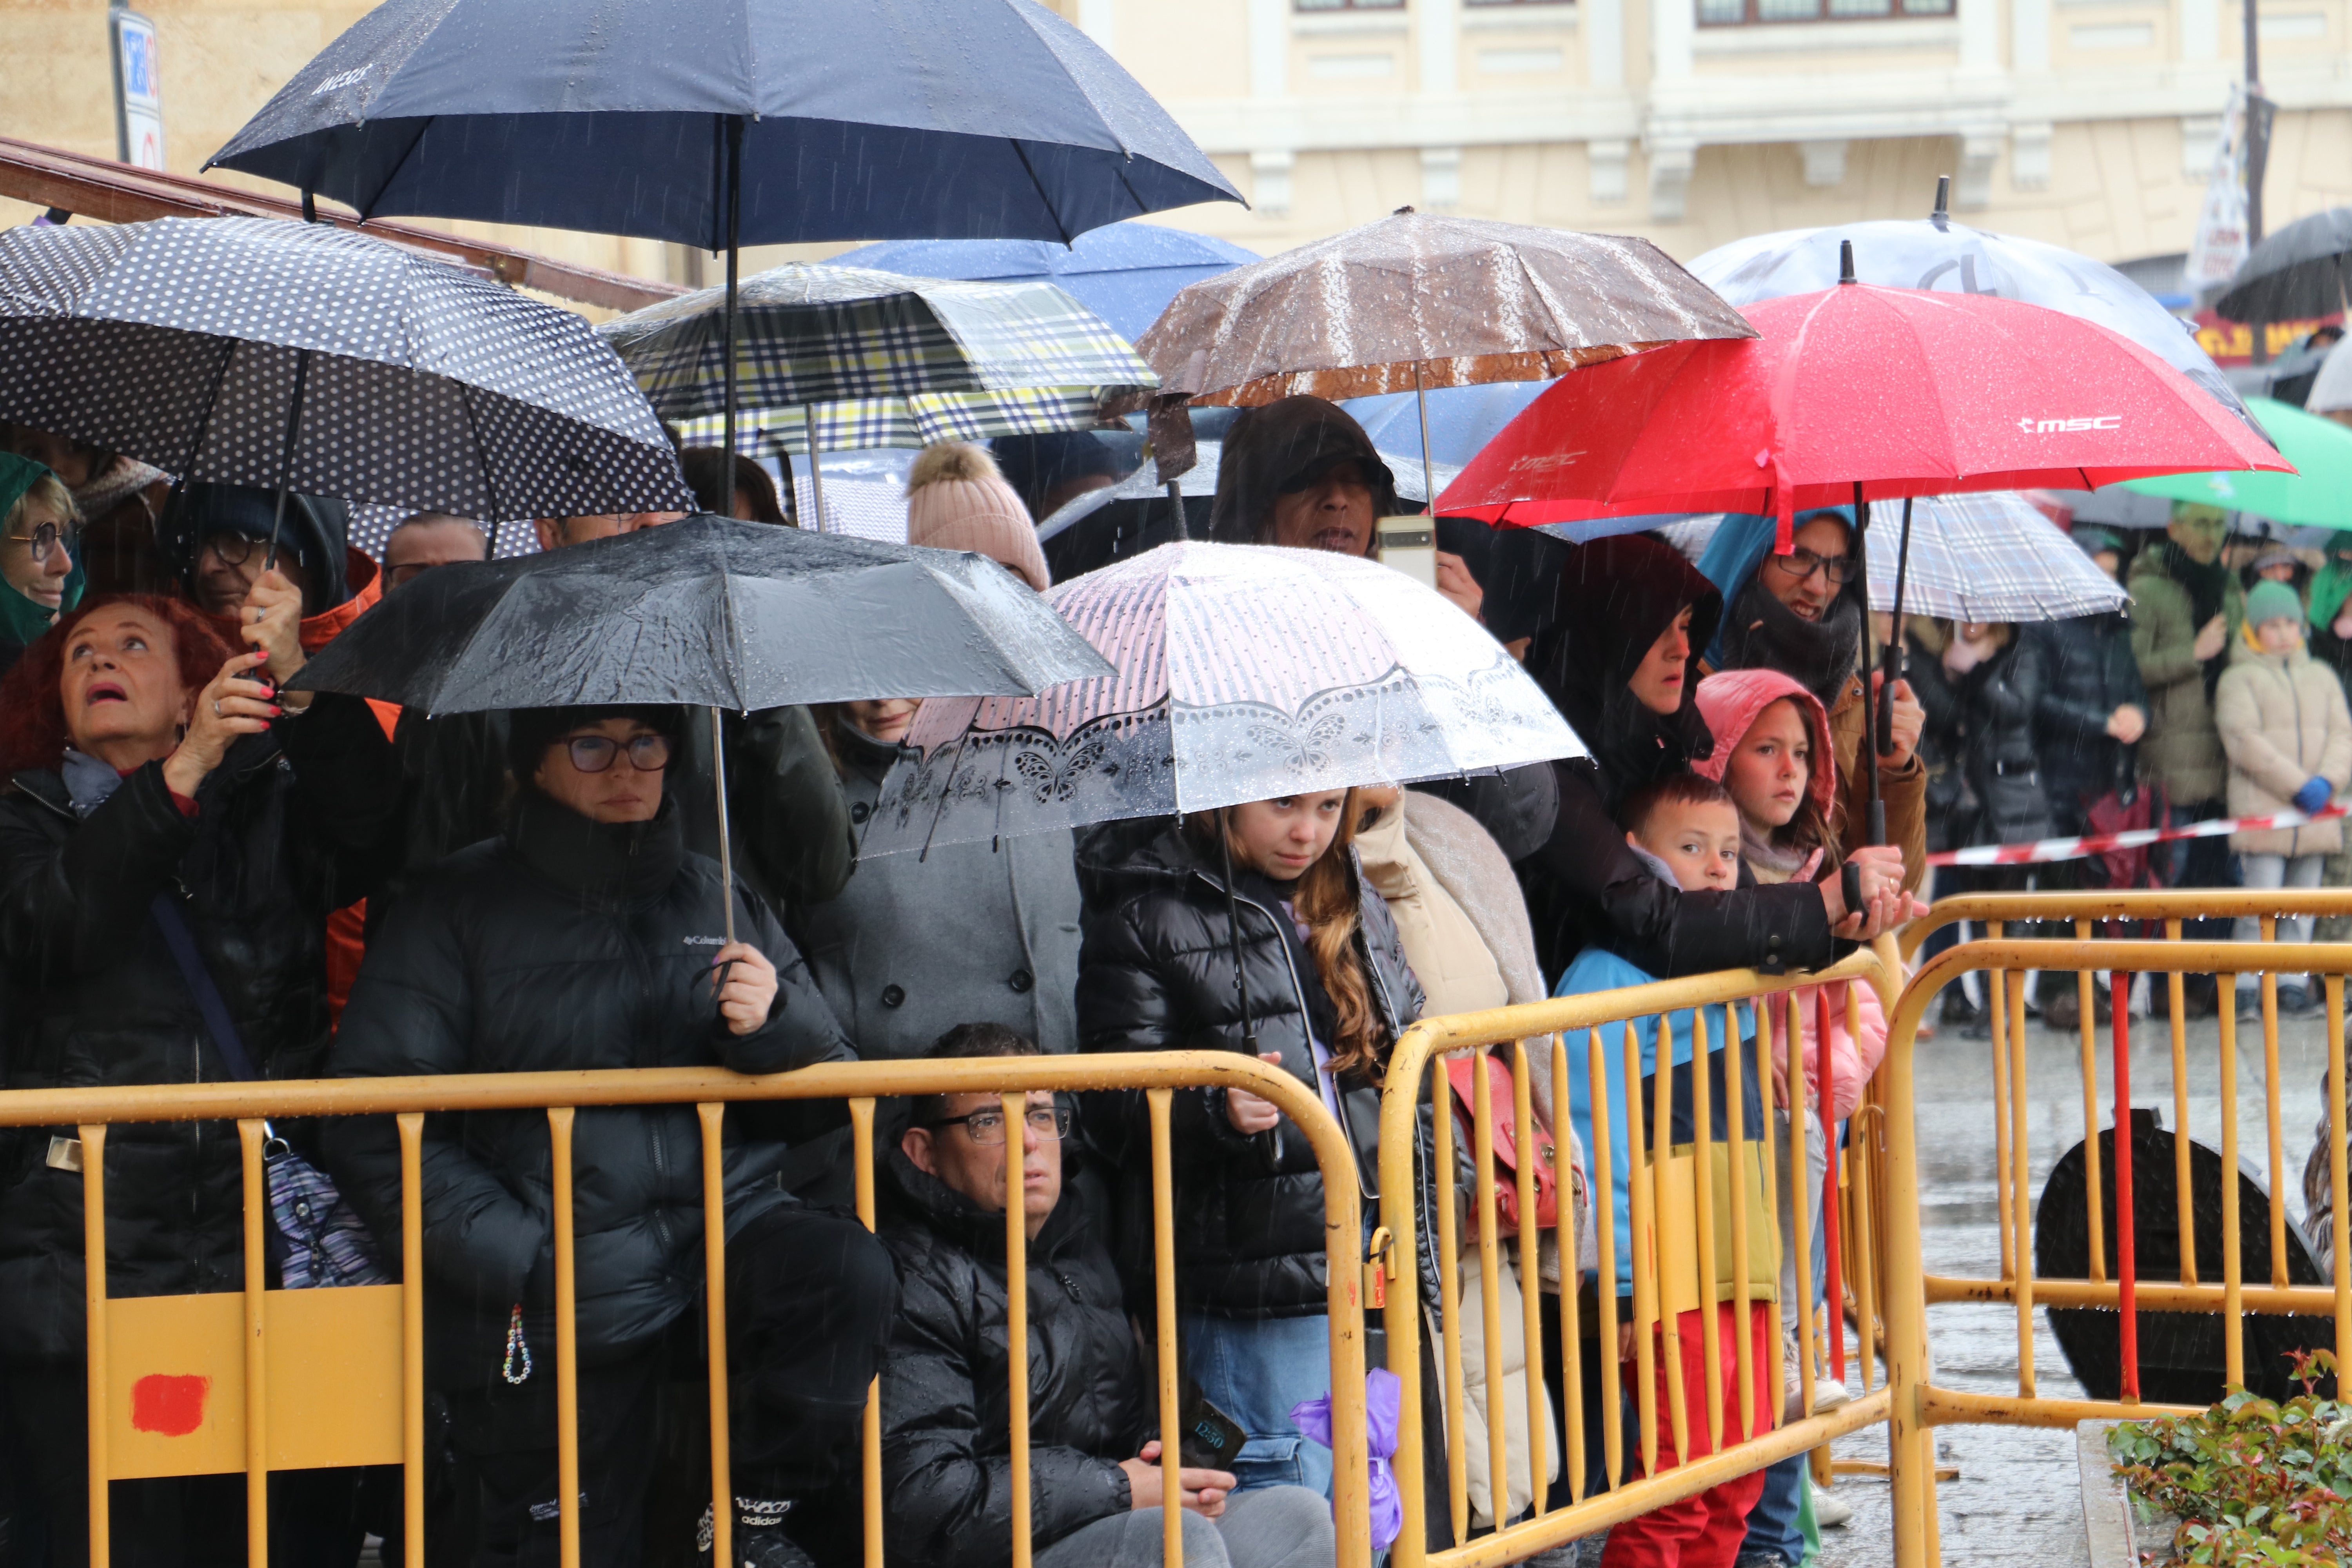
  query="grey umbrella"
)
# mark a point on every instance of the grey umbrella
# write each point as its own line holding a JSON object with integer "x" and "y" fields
{"x": 258, "y": 352}
{"x": 707, "y": 612}
{"x": 2304, "y": 270}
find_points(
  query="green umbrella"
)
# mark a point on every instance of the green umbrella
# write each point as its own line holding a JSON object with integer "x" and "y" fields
{"x": 2318, "y": 494}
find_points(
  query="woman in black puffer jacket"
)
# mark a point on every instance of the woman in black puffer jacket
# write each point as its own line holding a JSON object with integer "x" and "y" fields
{"x": 154, "y": 779}
{"x": 1326, "y": 991}
{"x": 588, "y": 937}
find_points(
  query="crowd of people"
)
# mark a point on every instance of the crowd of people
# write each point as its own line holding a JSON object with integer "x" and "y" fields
{"x": 206, "y": 874}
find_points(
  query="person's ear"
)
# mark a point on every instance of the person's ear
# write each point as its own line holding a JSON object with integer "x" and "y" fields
{"x": 916, "y": 1144}
{"x": 1631, "y": 841}
{"x": 551, "y": 532}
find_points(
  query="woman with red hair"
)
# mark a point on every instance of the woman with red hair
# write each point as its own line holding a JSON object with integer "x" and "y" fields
{"x": 160, "y": 792}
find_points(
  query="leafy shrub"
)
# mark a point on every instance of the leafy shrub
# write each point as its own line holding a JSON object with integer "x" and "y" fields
{"x": 2253, "y": 1481}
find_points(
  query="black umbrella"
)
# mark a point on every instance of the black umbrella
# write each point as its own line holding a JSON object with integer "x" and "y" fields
{"x": 707, "y": 612}
{"x": 2305, "y": 269}
{"x": 720, "y": 123}
{"x": 307, "y": 358}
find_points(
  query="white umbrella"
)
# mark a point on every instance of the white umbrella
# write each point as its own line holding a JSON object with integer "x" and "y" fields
{"x": 1244, "y": 672}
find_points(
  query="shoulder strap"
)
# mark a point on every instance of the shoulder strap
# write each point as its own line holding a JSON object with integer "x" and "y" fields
{"x": 209, "y": 1006}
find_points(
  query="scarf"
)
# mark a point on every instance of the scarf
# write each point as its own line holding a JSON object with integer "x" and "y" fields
{"x": 1776, "y": 862}
{"x": 1762, "y": 633}
{"x": 2208, "y": 584}
{"x": 89, "y": 784}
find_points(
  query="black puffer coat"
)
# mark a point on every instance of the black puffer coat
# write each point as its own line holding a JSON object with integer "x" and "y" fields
{"x": 947, "y": 1465}
{"x": 292, "y": 825}
{"x": 2084, "y": 671}
{"x": 1156, "y": 973}
{"x": 1987, "y": 714}
{"x": 566, "y": 944}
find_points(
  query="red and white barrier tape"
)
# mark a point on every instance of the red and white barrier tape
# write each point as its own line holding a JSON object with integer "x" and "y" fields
{"x": 2075, "y": 849}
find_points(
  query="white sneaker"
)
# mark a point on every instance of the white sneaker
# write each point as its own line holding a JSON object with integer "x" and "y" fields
{"x": 1828, "y": 1395}
{"x": 1830, "y": 1512}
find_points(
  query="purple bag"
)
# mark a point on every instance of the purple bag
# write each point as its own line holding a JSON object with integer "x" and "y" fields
{"x": 1382, "y": 1401}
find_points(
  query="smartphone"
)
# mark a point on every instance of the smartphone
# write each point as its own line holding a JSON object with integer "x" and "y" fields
{"x": 1211, "y": 1438}
{"x": 1410, "y": 544}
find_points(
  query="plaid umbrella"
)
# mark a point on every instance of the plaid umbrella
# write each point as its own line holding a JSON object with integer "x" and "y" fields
{"x": 1989, "y": 555}
{"x": 874, "y": 359}
{"x": 257, "y": 352}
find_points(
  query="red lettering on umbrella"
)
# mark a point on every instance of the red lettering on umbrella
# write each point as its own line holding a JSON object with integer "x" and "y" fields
{"x": 169, "y": 1406}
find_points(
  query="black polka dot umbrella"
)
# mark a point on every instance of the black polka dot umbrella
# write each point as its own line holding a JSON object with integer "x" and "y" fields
{"x": 259, "y": 352}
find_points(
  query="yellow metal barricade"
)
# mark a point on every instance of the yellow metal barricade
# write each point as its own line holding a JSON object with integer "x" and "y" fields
{"x": 2105, "y": 937}
{"x": 1675, "y": 1267}
{"x": 263, "y": 1379}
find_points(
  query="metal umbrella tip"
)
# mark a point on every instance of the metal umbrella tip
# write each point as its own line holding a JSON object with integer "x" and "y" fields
{"x": 1942, "y": 214}
{"x": 1846, "y": 262}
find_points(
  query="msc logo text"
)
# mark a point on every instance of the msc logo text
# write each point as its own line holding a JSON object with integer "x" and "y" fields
{"x": 2032, "y": 426}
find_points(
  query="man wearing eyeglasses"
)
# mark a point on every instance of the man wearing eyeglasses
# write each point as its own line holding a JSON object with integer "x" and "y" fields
{"x": 946, "y": 1442}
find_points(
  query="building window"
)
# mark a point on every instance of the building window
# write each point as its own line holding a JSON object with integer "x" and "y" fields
{"x": 1737, "y": 12}
{"x": 1347, "y": 5}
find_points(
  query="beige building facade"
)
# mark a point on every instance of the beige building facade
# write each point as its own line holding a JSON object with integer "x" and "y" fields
{"x": 2087, "y": 122}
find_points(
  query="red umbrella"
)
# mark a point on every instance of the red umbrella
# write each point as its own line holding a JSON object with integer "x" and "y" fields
{"x": 1855, "y": 393}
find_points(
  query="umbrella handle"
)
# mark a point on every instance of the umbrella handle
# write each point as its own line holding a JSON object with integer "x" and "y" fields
{"x": 286, "y": 460}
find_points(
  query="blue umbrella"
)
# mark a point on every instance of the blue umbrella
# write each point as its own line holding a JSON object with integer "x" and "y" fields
{"x": 1462, "y": 419}
{"x": 722, "y": 123}
{"x": 1124, "y": 272}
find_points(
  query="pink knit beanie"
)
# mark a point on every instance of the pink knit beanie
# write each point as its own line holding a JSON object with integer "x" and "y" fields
{"x": 957, "y": 500}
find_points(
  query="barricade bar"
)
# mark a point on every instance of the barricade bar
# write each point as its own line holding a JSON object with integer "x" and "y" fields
{"x": 560, "y": 1095}
{"x": 2141, "y": 904}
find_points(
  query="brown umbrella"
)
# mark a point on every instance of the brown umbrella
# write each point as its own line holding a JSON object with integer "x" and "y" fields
{"x": 1413, "y": 301}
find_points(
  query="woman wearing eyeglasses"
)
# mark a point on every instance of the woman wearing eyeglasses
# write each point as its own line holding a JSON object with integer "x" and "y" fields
{"x": 1801, "y": 614}
{"x": 39, "y": 578}
{"x": 587, "y": 936}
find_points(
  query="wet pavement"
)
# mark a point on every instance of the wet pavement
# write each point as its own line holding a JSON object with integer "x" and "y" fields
{"x": 2018, "y": 1498}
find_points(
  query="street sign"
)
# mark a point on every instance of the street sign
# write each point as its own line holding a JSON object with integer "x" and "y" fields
{"x": 138, "y": 90}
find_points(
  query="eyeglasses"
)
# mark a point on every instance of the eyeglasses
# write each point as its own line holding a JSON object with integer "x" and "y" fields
{"x": 1803, "y": 563}
{"x": 48, "y": 536}
{"x": 234, "y": 549}
{"x": 595, "y": 754}
{"x": 1049, "y": 1122}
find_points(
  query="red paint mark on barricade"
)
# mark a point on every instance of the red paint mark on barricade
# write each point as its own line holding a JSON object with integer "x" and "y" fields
{"x": 169, "y": 1406}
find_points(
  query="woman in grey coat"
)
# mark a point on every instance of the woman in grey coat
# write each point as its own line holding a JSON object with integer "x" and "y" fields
{"x": 966, "y": 934}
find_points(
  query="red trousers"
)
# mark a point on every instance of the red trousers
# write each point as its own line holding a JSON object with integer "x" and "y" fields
{"x": 1704, "y": 1531}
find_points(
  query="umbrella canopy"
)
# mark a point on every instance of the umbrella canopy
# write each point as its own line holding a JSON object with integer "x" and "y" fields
{"x": 1124, "y": 272}
{"x": 1989, "y": 556}
{"x": 2317, "y": 494}
{"x": 1462, "y": 419}
{"x": 2302, "y": 269}
{"x": 187, "y": 342}
{"x": 1897, "y": 391}
{"x": 1243, "y": 672}
{"x": 1414, "y": 300}
{"x": 873, "y": 359}
{"x": 1936, "y": 253}
{"x": 709, "y": 612}
{"x": 885, "y": 120}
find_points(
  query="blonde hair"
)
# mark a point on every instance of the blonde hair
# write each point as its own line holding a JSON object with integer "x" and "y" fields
{"x": 49, "y": 493}
{"x": 1326, "y": 902}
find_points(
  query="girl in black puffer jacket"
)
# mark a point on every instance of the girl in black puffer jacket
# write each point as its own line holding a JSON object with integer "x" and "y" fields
{"x": 1325, "y": 991}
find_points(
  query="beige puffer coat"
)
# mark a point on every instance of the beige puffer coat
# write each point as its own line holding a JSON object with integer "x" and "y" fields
{"x": 2283, "y": 719}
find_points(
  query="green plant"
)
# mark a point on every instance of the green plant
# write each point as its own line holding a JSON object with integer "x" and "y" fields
{"x": 2251, "y": 1480}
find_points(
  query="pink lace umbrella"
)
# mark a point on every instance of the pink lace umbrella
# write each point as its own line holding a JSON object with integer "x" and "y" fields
{"x": 1244, "y": 673}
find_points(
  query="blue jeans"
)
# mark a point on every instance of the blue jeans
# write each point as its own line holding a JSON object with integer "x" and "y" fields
{"x": 1254, "y": 1370}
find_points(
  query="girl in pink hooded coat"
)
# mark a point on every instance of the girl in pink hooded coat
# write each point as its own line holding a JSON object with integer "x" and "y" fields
{"x": 1773, "y": 752}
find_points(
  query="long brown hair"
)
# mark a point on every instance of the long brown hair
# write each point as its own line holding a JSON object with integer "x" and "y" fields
{"x": 1324, "y": 898}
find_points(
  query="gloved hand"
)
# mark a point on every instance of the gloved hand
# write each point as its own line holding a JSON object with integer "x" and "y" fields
{"x": 2315, "y": 794}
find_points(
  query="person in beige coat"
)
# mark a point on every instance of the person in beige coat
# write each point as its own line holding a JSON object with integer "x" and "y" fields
{"x": 2284, "y": 724}
{"x": 1464, "y": 928}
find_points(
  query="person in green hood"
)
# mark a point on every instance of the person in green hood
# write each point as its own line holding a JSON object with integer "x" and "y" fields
{"x": 40, "y": 533}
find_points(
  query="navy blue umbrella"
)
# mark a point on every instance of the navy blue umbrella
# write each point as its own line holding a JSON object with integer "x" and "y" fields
{"x": 1126, "y": 273}
{"x": 722, "y": 123}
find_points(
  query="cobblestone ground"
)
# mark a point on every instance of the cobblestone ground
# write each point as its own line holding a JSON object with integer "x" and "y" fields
{"x": 2018, "y": 1498}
